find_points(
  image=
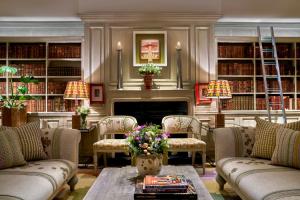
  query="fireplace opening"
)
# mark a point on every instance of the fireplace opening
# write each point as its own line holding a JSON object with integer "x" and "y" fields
{"x": 151, "y": 112}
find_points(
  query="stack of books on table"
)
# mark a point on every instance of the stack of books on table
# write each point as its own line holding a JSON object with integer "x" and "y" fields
{"x": 165, "y": 187}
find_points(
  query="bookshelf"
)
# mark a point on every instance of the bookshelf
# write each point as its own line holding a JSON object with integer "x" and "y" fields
{"x": 52, "y": 63}
{"x": 239, "y": 62}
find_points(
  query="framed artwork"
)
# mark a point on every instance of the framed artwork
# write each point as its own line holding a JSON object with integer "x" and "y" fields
{"x": 201, "y": 93}
{"x": 96, "y": 93}
{"x": 149, "y": 47}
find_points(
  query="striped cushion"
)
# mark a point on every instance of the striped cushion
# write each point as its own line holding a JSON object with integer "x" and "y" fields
{"x": 30, "y": 139}
{"x": 287, "y": 150}
{"x": 10, "y": 150}
{"x": 265, "y": 137}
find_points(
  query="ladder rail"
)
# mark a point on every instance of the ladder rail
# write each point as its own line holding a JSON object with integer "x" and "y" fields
{"x": 264, "y": 71}
{"x": 278, "y": 73}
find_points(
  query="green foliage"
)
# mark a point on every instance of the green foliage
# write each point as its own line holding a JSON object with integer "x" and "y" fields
{"x": 147, "y": 140}
{"x": 150, "y": 68}
{"x": 16, "y": 100}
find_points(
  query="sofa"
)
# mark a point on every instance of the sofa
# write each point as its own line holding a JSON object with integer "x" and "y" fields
{"x": 252, "y": 178}
{"x": 44, "y": 179}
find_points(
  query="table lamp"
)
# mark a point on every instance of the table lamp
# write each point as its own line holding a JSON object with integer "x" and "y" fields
{"x": 76, "y": 90}
{"x": 219, "y": 89}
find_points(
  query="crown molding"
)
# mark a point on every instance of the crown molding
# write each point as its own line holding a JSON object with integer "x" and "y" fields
{"x": 117, "y": 17}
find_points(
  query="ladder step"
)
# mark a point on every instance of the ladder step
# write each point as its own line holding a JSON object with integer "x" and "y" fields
{"x": 273, "y": 90}
{"x": 266, "y": 39}
{"x": 270, "y": 63}
{"x": 267, "y": 50}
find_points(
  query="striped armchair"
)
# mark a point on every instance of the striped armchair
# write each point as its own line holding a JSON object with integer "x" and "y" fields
{"x": 109, "y": 127}
{"x": 178, "y": 124}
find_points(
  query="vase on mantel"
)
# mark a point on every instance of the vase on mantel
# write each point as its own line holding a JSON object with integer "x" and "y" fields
{"x": 148, "y": 81}
{"x": 148, "y": 164}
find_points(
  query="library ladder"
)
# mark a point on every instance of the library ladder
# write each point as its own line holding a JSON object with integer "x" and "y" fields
{"x": 270, "y": 62}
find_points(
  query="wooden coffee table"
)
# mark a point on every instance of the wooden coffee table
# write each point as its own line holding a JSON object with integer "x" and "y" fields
{"x": 119, "y": 183}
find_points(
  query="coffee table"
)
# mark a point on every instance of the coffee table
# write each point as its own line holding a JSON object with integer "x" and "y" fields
{"x": 119, "y": 183}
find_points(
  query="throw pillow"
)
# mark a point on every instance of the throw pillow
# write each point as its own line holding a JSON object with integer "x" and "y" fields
{"x": 265, "y": 137}
{"x": 287, "y": 150}
{"x": 10, "y": 150}
{"x": 30, "y": 139}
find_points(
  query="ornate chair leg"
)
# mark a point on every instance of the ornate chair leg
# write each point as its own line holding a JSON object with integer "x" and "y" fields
{"x": 95, "y": 161}
{"x": 193, "y": 157}
{"x": 72, "y": 182}
{"x": 221, "y": 181}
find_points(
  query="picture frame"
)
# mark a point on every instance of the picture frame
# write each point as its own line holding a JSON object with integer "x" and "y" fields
{"x": 96, "y": 93}
{"x": 149, "y": 47}
{"x": 200, "y": 94}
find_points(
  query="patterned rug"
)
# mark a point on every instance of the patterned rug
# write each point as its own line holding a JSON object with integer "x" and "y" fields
{"x": 86, "y": 179}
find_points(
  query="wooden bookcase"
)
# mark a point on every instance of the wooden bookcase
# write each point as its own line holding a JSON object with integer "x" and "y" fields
{"x": 240, "y": 63}
{"x": 52, "y": 63}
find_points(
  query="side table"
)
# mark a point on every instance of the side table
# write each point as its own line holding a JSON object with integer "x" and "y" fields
{"x": 86, "y": 144}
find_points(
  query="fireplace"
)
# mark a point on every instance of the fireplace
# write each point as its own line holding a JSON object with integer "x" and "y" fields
{"x": 151, "y": 111}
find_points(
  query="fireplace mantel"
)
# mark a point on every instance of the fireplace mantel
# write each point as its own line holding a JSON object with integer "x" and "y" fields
{"x": 149, "y": 95}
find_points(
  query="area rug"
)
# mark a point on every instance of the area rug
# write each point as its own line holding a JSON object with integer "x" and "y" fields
{"x": 86, "y": 179}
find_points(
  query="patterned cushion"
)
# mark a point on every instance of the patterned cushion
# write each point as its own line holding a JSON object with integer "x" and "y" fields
{"x": 37, "y": 180}
{"x": 181, "y": 124}
{"x": 244, "y": 140}
{"x": 178, "y": 144}
{"x": 112, "y": 144}
{"x": 117, "y": 124}
{"x": 256, "y": 179}
{"x": 287, "y": 150}
{"x": 10, "y": 150}
{"x": 30, "y": 139}
{"x": 265, "y": 137}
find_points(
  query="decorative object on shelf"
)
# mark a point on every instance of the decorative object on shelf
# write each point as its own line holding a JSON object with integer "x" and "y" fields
{"x": 150, "y": 47}
{"x": 96, "y": 93}
{"x": 147, "y": 144}
{"x": 76, "y": 90}
{"x": 119, "y": 63}
{"x": 83, "y": 111}
{"x": 201, "y": 90}
{"x": 179, "y": 69}
{"x": 219, "y": 89}
{"x": 14, "y": 104}
{"x": 148, "y": 71}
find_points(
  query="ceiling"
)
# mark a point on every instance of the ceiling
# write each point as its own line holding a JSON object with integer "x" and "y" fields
{"x": 229, "y": 9}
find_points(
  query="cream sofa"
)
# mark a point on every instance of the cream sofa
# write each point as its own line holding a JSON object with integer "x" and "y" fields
{"x": 251, "y": 178}
{"x": 43, "y": 179}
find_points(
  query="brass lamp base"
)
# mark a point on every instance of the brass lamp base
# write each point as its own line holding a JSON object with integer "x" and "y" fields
{"x": 75, "y": 121}
{"x": 219, "y": 120}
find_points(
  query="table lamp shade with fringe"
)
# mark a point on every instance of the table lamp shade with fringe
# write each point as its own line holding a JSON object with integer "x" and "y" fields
{"x": 219, "y": 89}
{"x": 76, "y": 90}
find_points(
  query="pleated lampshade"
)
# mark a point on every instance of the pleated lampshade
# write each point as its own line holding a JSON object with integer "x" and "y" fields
{"x": 219, "y": 89}
{"x": 76, "y": 90}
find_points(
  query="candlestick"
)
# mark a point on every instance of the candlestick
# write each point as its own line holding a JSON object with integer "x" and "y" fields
{"x": 179, "y": 71}
{"x": 119, "y": 65}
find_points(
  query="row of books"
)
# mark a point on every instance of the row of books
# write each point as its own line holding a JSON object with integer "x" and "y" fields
{"x": 238, "y": 103}
{"x": 34, "y": 69}
{"x": 64, "y": 71}
{"x": 284, "y": 68}
{"x": 283, "y": 51}
{"x": 56, "y": 87}
{"x": 65, "y": 50}
{"x": 38, "y": 88}
{"x": 286, "y": 84}
{"x": 27, "y": 50}
{"x": 274, "y": 103}
{"x": 235, "y": 51}
{"x": 241, "y": 86}
{"x": 235, "y": 68}
{"x": 2, "y": 50}
{"x": 53, "y": 105}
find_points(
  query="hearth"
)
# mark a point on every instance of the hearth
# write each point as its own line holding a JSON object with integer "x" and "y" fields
{"x": 151, "y": 111}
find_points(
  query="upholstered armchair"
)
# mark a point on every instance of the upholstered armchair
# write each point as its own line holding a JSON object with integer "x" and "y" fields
{"x": 184, "y": 124}
{"x": 108, "y": 127}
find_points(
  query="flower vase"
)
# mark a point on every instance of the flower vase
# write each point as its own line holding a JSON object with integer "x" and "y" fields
{"x": 83, "y": 121}
{"x": 148, "y": 164}
{"x": 148, "y": 81}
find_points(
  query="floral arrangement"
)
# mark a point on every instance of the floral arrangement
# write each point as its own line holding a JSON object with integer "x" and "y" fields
{"x": 147, "y": 140}
{"x": 83, "y": 110}
{"x": 150, "y": 68}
